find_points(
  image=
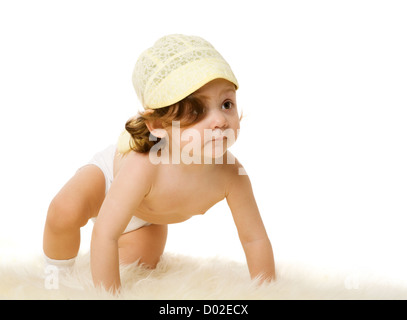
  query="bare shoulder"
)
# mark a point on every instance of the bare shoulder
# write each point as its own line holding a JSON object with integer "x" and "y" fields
{"x": 133, "y": 162}
{"x": 134, "y": 167}
{"x": 232, "y": 165}
{"x": 234, "y": 172}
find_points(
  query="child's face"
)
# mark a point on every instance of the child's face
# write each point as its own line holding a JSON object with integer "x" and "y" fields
{"x": 218, "y": 130}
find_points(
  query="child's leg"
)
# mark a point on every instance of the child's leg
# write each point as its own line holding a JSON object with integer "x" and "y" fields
{"x": 146, "y": 244}
{"x": 78, "y": 201}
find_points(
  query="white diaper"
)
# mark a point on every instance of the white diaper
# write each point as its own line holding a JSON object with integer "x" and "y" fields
{"x": 104, "y": 161}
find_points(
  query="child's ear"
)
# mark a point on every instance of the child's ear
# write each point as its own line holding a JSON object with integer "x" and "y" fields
{"x": 156, "y": 129}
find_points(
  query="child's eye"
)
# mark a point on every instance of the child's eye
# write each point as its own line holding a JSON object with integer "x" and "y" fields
{"x": 227, "y": 105}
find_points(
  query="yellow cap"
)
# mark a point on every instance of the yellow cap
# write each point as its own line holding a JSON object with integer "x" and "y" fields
{"x": 176, "y": 66}
{"x": 125, "y": 142}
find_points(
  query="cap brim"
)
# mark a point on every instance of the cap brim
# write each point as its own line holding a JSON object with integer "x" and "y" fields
{"x": 186, "y": 80}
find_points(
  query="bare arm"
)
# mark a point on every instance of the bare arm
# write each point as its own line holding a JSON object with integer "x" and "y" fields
{"x": 250, "y": 227}
{"x": 128, "y": 189}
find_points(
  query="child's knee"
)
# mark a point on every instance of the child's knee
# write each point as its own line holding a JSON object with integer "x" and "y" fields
{"x": 64, "y": 214}
{"x": 145, "y": 244}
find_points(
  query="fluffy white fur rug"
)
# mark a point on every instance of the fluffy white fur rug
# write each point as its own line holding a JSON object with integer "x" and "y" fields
{"x": 183, "y": 277}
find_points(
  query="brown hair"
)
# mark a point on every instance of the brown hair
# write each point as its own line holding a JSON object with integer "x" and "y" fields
{"x": 188, "y": 111}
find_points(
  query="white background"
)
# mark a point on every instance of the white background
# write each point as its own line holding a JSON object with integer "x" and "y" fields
{"x": 323, "y": 87}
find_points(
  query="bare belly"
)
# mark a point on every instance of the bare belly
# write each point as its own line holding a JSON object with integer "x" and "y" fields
{"x": 162, "y": 218}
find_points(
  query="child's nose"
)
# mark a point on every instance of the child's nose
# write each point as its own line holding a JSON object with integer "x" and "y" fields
{"x": 217, "y": 120}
